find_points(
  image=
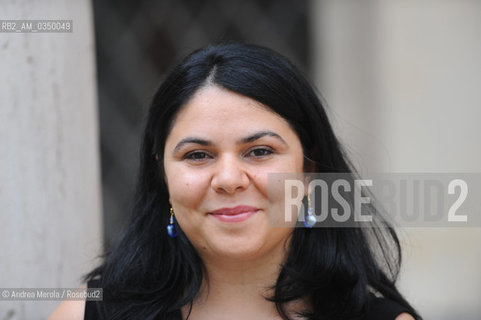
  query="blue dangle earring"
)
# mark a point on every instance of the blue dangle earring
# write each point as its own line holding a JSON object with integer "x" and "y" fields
{"x": 310, "y": 218}
{"x": 171, "y": 227}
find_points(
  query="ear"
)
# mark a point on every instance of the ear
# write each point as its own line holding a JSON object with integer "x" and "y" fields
{"x": 309, "y": 165}
{"x": 161, "y": 168}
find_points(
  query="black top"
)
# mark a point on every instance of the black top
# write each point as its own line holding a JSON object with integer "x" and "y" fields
{"x": 379, "y": 308}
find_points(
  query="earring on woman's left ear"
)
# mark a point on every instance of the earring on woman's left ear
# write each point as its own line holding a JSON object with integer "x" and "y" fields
{"x": 310, "y": 218}
{"x": 171, "y": 227}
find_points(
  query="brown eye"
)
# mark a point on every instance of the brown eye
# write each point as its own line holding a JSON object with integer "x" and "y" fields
{"x": 197, "y": 156}
{"x": 260, "y": 152}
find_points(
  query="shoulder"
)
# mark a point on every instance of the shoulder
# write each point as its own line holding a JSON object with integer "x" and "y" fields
{"x": 69, "y": 309}
{"x": 405, "y": 316}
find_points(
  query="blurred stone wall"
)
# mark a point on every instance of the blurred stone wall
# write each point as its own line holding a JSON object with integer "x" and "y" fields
{"x": 403, "y": 80}
{"x": 50, "y": 196}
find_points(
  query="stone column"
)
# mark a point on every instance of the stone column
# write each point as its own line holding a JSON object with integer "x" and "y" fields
{"x": 403, "y": 81}
{"x": 50, "y": 198}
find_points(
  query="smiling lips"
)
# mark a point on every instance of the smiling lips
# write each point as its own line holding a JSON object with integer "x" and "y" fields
{"x": 236, "y": 214}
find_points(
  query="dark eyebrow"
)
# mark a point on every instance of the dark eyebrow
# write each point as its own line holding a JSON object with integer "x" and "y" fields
{"x": 248, "y": 139}
{"x": 260, "y": 134}
{"x": 188, "y": 140}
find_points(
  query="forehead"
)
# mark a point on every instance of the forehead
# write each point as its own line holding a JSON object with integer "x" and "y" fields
{"x": 213, "y": 106}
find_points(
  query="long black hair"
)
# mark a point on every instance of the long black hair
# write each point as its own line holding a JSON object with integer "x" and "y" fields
{"x": 151, "y": 276}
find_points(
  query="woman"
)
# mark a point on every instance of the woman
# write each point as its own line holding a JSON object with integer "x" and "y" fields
{"x": 199, "y": 245}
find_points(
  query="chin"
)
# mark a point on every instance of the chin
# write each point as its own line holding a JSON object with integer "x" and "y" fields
{"x": 237, "y": 246}
{"x": 238, "y": 255}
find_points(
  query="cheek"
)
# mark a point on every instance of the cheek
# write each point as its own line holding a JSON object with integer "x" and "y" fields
{"x": 259, "y": 179}
{"x": 186, "y": 188}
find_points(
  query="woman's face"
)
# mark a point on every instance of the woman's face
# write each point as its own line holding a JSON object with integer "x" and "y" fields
{"x": 217, "y": 156}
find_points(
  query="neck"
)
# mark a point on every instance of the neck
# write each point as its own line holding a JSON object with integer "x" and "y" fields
{"x": 238, "y": 287}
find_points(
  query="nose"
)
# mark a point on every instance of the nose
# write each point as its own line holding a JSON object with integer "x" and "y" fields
{"x": 230, "y": 175}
